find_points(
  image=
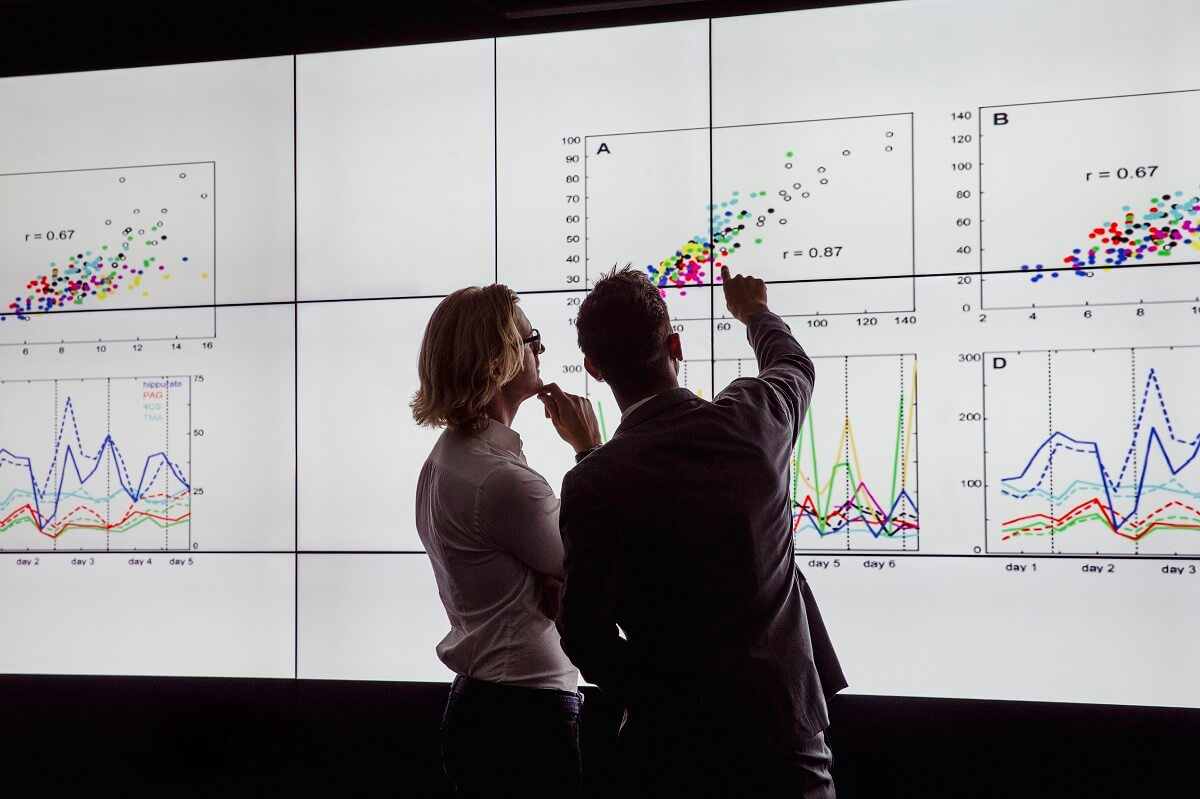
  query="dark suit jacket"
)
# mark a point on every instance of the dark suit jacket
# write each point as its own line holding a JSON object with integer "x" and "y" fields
{"x": 679, "y": 530}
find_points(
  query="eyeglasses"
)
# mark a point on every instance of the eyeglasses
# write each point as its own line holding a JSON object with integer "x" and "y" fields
{"x": 534, "y": 338}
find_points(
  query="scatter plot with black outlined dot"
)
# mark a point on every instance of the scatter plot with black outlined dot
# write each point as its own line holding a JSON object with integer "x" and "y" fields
{"x": 120, "y": 238}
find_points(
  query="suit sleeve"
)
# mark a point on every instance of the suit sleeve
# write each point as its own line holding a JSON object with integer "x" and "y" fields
{"x": 784, "y": 368}
{"x": 594, "y": 550}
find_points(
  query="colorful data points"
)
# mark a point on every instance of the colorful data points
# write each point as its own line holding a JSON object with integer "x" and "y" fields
{"x": 1131, "y": 240}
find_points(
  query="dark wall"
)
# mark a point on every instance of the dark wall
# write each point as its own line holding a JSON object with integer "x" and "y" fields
{"x": 191, "y": 736}
{"x": 77, "y": 35}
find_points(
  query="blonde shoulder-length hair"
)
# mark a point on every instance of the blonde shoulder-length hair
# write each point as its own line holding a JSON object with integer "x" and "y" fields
{"x": 471, "y": 348}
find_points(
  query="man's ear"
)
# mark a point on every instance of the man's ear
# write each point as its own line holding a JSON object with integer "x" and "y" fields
{"x": 675, "y": 346}
{"x": 592, "y": 370}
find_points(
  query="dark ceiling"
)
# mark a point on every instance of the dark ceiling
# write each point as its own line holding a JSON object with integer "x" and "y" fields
{"x": 69, "y": 35}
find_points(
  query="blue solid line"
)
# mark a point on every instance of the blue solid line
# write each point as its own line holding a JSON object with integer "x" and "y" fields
{"x": 871, "y": 528}
{"x": 69, "y": 456}
{"x": 1093, "y": 448}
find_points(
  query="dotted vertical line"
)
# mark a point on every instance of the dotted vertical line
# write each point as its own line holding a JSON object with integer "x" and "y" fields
{"x": 108, "y": 524}
{"x": 54, "y": 438}
{"x": 1050, "y": 434}
{"x": 846, "y": 449}
{"x": 1133, "y": 415}
{"x": 685, "y": 375}
{"x": 903, "y": 448}
{"x": 167, "y": 470}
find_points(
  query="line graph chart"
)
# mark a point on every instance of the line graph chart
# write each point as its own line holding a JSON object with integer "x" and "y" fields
{"x": 854, "y": 468}
{"x": 96, "y": 464}
{"x": 1106, "y": 465}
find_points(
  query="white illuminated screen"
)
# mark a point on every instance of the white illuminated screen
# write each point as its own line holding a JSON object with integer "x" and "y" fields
{"x": 980, "y": 223}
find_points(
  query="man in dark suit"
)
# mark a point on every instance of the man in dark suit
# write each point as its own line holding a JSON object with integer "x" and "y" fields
{"x": 682, "y": 596}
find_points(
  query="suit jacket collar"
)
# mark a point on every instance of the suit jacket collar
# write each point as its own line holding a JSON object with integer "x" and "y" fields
{"x": 660, "y": 403}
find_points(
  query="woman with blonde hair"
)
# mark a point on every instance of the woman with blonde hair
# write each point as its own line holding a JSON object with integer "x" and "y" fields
{"x": 490, "y": 525}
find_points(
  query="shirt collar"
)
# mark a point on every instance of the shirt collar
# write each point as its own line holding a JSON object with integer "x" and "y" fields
{"x": 625, "y": 413}
{"x": 663, "y": 401}
{"x": 502, "y": 436}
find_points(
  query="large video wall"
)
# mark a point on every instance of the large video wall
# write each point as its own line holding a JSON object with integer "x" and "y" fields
{"x": 983, "y": 226}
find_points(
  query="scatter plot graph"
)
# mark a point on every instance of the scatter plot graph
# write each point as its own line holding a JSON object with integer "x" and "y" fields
{"x": 96, "y": 464}
{"x": 785, "y": 202}
{"x": 1093, "y": 451}
{"x": 854, "y": 468}
{"x": 1090, "y": 202}
{"x": 114, "y": 239}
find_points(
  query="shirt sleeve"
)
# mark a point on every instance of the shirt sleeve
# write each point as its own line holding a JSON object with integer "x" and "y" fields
{"x": 517, "y": 511}
{"x": 588, "y": 611}
{"x": 785, "y": 370}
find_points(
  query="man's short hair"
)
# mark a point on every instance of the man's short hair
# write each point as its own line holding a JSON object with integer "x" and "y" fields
{"x": 472, "y": 347}
{"x": 623, "y": 324}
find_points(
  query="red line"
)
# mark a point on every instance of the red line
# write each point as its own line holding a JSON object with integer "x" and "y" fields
{"x": 1148, "y": 523}
{"x": 66, "y": 524}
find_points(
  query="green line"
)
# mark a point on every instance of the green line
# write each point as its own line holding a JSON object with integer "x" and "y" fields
{"x": 853, "y": 482}
{"x": 796, "y": 466}
{"x": 123, "y": 529}
{"x": 812, "y": 446}
{"x": 896, "y": 453}
{"x": 1090, "y": 517}
{"x": 603, "y": 429}
{"x": 824, "y": 501}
